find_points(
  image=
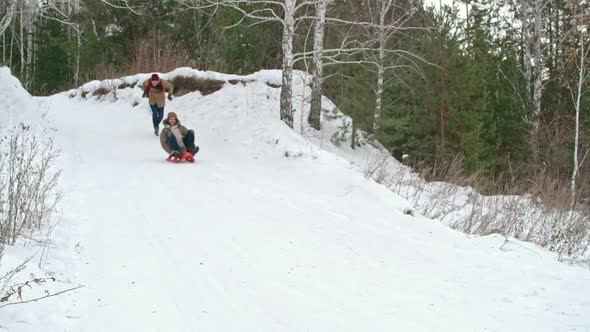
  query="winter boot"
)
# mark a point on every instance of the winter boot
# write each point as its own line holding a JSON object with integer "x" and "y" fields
{"x": 194, "y": 150}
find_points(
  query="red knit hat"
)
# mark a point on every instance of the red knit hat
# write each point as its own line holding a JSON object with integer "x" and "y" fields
{"x": 155, "y": 77}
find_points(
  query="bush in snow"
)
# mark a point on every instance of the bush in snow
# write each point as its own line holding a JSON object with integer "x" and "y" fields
{"x": 186, "y": 84}
{"x": 28, "y": 184}
{"x": 543, "y": 215}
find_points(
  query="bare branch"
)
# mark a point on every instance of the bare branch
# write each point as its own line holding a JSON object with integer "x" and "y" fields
{"x": 5, "y": 21}
{"x": 43, "y": 297}
{"x": 584, "y": 158}
{"x": 255, "y": 14}
{"x": 125, "y": 6}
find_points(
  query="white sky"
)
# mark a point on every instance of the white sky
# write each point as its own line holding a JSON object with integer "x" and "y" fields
{"x": 446, "y": 2}
{"x": 436, "y": 2}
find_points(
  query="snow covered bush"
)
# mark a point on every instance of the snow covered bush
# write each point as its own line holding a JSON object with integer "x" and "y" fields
{"x": 378, "y": 169}
{"x": 28, "y": 183}
{"x": 541, "y": 215}
{"x": 28, "y": 191}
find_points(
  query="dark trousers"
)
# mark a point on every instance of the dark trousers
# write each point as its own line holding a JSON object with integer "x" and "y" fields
{"x": 188, "y": 140}
{"x": 157, "y": 115}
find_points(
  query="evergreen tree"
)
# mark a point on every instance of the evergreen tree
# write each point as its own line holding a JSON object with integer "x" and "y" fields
{"x": 53, "y": 69}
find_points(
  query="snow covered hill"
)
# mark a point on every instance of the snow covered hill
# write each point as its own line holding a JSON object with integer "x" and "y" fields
{"x": 270, "y": 230}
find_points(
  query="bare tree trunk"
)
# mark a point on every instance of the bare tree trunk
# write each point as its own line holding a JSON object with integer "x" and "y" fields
{"x": 78, "y": 46}
{"x": 467, "y": 28}
{"x": 29, "y": 71}
{"x": 552, "y": 38}
{"x": 531, "y": 18}
{"x": 353, "y": 136}
{"x": 379, "y": 92}
{"x": 526, "y": 38}
{"x": 22, "y": 41}
{"x": 441, "y": 110}
{"x": 287, "y": 80}
{"x": 3, "y": 48}
{"x": 582, "y": 72}
{"x": 94, "y": 29}
{"x": 384, "y": 7}
{"x": 316, "y": 93}
{"x": 538, "y": 71}
{"x": 11, "y": 47}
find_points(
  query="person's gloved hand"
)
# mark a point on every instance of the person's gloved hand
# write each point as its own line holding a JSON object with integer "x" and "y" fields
{"x": 144, "y": 95}
{"x": 169, "y": 96}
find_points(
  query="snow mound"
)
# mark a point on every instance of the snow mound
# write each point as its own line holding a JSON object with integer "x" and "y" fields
{"x": 17, "y": 104}
{"x": 22, "y": 265}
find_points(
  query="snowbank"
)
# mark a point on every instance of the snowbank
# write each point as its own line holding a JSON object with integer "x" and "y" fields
{"x": 26, "y": 270}
{"x": 462, "y": 208}
{"x": 17, "y": 104}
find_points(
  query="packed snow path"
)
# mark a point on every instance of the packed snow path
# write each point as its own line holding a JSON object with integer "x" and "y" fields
{"x": 247, "y": 239}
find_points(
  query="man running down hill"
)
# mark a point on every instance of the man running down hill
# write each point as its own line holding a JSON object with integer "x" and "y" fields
{"x": 155, "y": 89}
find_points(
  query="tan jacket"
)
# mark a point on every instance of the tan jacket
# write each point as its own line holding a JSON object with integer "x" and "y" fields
{"x": 166, "y": 130}
{"x": 157, "y": 96}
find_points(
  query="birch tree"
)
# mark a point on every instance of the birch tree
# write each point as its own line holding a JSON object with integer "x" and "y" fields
{"x": 531, "y": 17}
{"x": 318, "y": 64}
{"x": 21, "y": 43}
{"x": 385, "y": 9}
{"x": 30, "y": 12}
{"x": 379, "y": 22}
{"x": 289, "y": 9}
{"x": 32, "y": 7}
{"x": 577, "y": 92}
{"x": 285, "y": 13}
{"x": 389, "y": 20}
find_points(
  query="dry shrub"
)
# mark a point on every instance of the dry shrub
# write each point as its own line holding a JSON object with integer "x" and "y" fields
{"x": 583, "y": 185}
{"x": 28, "y": 189}
{"x": 551, "y": 190}
{"x": 147, "y": 58}
{"x": 535, "y": 210}
{"x": 101, "y": 92}
{"x": 452, "y": 170}
{"x": 187, "y": 84}
{"x": 377, "y": 168}
{"x": 107, "y": 71}
{"x": 127, "y": 85}
{"x": 28, "y": 182}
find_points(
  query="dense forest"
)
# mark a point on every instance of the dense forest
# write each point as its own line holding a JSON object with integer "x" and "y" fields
{"x": 497, "y": 89}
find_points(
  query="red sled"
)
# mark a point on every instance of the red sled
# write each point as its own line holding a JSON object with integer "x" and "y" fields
{"x": 185, "y": 156}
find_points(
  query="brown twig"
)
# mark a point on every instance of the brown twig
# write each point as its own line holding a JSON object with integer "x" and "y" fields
{"x": 42, "y": 297}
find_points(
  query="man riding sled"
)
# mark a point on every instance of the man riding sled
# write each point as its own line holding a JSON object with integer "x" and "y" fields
{"x": 177, "y": 140}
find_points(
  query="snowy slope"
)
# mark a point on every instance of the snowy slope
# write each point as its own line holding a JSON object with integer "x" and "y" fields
{"x": 268, "y": 231}
{"x": 461, "y": 208}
